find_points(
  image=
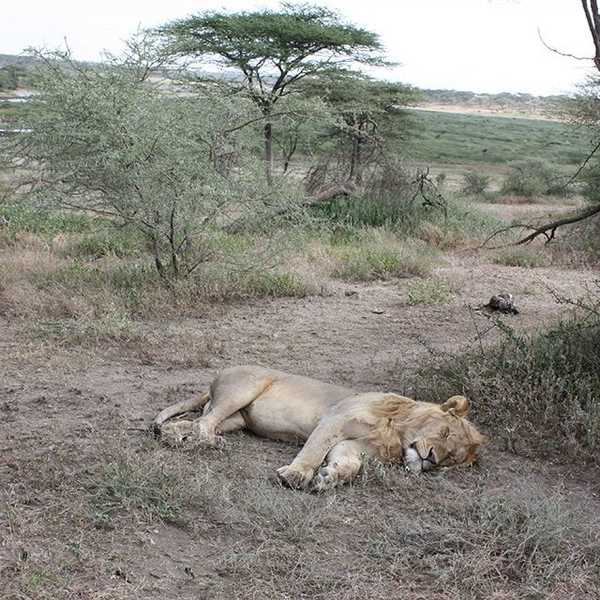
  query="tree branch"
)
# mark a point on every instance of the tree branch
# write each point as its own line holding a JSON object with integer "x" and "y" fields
{"x": 548, "y": 230}
{"x": 559, "y": 52}
{"x": 583, "y": 164}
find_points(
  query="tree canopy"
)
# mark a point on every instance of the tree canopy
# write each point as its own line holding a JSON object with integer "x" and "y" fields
{"x": 363, "y": 105}
{"x": 273, "y": 50}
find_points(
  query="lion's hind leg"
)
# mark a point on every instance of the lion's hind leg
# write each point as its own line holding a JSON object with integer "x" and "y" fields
{"x": 233, "y": 423}
{"x": 178, "y": 409}
{"x": 229, "y": 394}
{"x": 178, "y": 432}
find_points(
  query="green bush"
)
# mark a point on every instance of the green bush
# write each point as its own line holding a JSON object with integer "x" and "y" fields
{"x": 458, "y": 223}
{"x": 440, "y": 179}
{"x": 361, "y": 211}
{"x": 475, "y": 183}
{"x": 535, "y": 393}
{"x": 591, "y": 183}
{"x": 10, "y": 76}
{"x": 534, "y": 177}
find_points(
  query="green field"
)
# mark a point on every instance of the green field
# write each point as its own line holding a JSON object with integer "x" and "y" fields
{"x": 13, "y": 113}
{"x": 437, "y": 137}
{"x": 460, "y": 138}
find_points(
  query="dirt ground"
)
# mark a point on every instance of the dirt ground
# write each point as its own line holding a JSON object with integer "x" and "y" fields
{"x": 72, "y": 431}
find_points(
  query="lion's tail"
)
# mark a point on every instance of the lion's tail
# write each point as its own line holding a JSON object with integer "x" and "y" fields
{"x": 178, "y": 409}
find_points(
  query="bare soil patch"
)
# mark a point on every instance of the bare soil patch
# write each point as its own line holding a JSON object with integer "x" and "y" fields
{"x": 92, "y": 507}
{"x": 489, "y": 111}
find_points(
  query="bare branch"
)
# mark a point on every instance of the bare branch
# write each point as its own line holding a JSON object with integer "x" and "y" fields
{"x": 560, "y": 52}
{"x": 583, "y": 164}
{"x": 547, "y": 230}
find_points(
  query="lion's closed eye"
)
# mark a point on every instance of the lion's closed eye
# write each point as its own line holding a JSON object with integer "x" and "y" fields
{"x": 449, "y": 459}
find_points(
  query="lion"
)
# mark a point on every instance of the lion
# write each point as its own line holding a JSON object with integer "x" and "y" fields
{"x": 339, "y": 427}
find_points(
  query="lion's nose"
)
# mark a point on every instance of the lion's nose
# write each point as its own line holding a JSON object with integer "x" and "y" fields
{"x": 431, "y": 457}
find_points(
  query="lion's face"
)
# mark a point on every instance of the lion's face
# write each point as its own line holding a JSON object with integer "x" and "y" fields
{"x": 446, "y": 440}
{"x": 444, "y": 449}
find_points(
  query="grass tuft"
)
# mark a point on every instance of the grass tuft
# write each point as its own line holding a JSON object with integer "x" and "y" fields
{"x": 429, "y": 291}
{"x": 380, "y": 255}
{"x": 28, "y": 219}
{"x": 144, "y": 490}
{"x": 522, "y": 257}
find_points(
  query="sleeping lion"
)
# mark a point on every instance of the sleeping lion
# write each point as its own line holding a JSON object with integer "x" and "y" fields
{"x": 340, "y": 428}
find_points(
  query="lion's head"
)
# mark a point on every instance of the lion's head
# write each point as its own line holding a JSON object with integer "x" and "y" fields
{"x": 428, "y": 435}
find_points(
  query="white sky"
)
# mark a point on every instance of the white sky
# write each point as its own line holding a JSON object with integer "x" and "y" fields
{"x": 478, "y": 45}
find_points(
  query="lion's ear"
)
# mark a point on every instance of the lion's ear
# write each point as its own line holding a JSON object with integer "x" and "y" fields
{"x": 457, "y": 405}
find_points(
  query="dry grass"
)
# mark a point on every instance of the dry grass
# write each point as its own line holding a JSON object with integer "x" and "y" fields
{"x": 359, "y": 255}
{"x": 99, "y": 290}
{"x": 42, "y": 280}
{"x": 100, "y": 516}
{"x": 378, "y": 254}
{"x": 527, "y": 257}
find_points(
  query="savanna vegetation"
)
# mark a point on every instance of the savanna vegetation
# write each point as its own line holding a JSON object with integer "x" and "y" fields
{"x": 158, "y": 223}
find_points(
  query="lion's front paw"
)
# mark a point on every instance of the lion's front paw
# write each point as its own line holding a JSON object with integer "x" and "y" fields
{"x": 295, "y": 477}
{"x": 204, "y": 435}
{"x": 326, "y": 479}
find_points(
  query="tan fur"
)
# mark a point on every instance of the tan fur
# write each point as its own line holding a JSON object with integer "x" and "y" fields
{"x": 391, "y": 413}
{"x": 337, "y": 425}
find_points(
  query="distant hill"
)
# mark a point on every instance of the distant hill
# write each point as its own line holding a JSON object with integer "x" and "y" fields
{"x": 16, "y": 60}
{"x": 14, "y": 71}
{"x": 503, "y": 103}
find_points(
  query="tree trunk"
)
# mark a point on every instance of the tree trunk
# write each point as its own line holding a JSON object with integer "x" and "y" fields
{"x": 354, "y": 155}
{"x": 358, "y": 163}
{"x": 289, "y": 153}
{"x": 157, "y": 261}
{"x": 268, "y": 132}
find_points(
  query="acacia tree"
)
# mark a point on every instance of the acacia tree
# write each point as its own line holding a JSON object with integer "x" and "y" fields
{"x": 273, "y": 50}
{"x": 363, "y": 106}
{"x": 300, "y": 126}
